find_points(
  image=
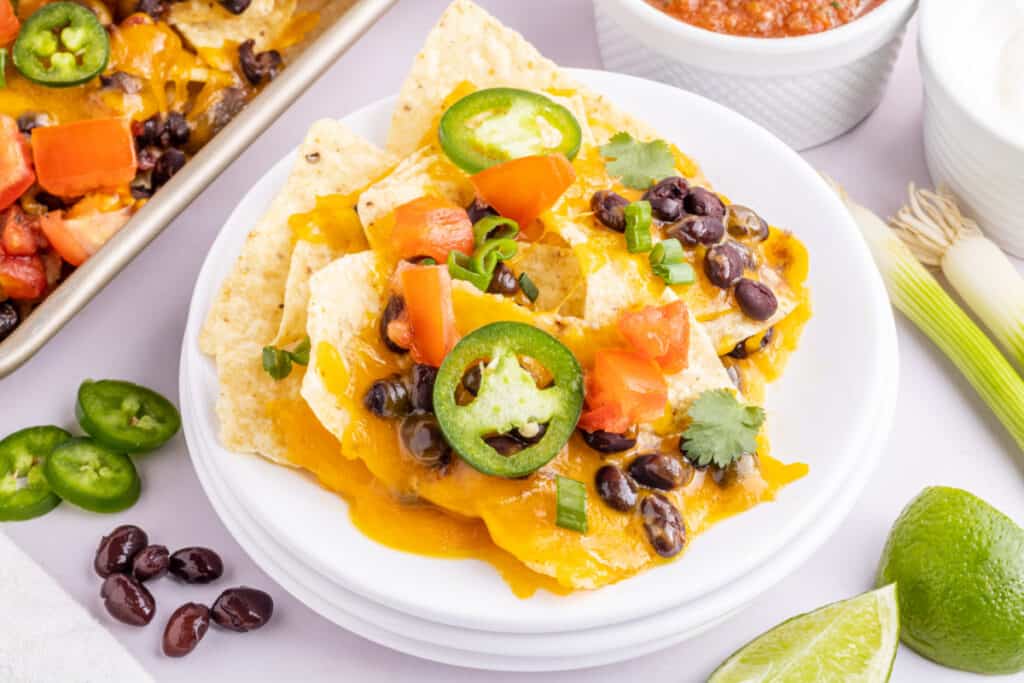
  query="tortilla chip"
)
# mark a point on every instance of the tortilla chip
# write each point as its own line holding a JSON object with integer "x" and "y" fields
{"x": 468, "y": 44}
{"x": 263, "y": 298}
{"x": 331, "y": 160}
{"x": 307, "y": 258}
{"x": 556, "y": 272}
{"x": 206, "y": 24}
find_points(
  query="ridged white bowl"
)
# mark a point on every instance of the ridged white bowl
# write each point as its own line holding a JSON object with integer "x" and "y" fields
{"x": 807, "y": 90}
{"x": 968, "y": 147}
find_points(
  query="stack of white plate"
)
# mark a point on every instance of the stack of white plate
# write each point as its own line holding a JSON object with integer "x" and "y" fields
{"x": 832, "y": 410}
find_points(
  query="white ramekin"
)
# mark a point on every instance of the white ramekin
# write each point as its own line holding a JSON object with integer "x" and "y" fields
{"x": 966, "y": 147}
{"x": 807, "y": 90}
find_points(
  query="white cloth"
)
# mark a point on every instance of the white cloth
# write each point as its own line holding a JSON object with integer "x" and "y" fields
{"x": 47, "y": 637}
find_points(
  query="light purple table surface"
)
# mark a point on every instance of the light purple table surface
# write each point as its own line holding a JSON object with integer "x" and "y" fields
{"x": 943, "y": 433}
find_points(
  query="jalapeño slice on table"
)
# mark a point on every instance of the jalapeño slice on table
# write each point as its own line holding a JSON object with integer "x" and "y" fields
{"x": 509, "y": 399}
{"x": 491, "y": 126}
{"x": 61, "y": 45}
{"x": 126, "y": 417}
{"x": 24, "y": 493}
{"x": 91, "y": 476}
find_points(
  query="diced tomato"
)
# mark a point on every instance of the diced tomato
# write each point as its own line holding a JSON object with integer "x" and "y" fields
{"x": 624, "y": 389}
{"x": 661, "y": 333}
{"x": 428, "y": 301}
{"x": 79, "y": 157}
{"x": 22, "y": 277}
{"x": 76, "y": 239}
{"x": 524, "y": 188}
{"x": 431, "y": 226}
{"x": 9, "y": 24}
{"x": 16, "y": 173}
{"x": 20, "y": 235}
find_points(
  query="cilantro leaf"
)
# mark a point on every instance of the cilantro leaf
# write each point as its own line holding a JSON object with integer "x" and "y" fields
{"x": 278, "y": 362}
{"x": 638, "y": 164}
{"x": 721, "y": 429}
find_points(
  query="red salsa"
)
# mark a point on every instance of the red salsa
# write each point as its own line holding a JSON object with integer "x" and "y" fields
{"x": 766, "y": 18}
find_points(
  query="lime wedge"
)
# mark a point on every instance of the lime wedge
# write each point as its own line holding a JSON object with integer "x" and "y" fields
{"x": 850, "y": 641}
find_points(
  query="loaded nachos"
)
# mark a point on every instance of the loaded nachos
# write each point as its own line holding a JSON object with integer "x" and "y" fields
{"x": 527, "y": 331}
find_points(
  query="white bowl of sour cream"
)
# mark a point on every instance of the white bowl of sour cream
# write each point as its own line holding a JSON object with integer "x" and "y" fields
{"x": 972, "y": 64}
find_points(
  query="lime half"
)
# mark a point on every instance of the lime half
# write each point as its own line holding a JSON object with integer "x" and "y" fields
{"x": 850, "y": 641}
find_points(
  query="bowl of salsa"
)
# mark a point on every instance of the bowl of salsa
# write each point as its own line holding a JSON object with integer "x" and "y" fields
{"x": 808, "y": 70}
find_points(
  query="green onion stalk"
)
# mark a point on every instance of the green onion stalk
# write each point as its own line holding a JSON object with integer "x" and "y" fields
{"x": 916, "y": 293}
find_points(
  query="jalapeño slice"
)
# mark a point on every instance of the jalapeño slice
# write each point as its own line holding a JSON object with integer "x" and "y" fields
{"x": 91, "y": 476}
{"x": 491, "y": 126}
{"x": 126, "y": 417}
{"x": 24, "y": 493}
{"x": 61, "y": 45}
{"x": 509, "y": 399}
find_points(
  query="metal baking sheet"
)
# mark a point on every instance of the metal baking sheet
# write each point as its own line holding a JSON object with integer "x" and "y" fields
{"x": 66, "y": 300}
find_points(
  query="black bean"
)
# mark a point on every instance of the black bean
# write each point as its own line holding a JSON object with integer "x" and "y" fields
{"x": 9, "y": 319}
{"x": 744, "y": 223}
{"x": 127, "y": 600}
{"x": 261, "y": 66}
{"x": 422, "y": 438}
{"x": 388, "y": 397}
{"x": 660, "y": 471}
{"x": 33, "y": 119}
{"x": 117, "y": 550}
{"x": 154, "y": 8}
{"x": 479, "y": 209}
{"x": 422, "y": 381}
{"x": 663, "y": 524}
{"x": 151, "y": 562}
{"x": 185, "y": 629}
{"x": 693, "y": 230}
{"x": 723, "y": 264}
{"x": 607, "y": 442}
{"x": 704, "y": 203}
{"x": 169, "y": 163}
{"x": 536, "y": 435}
{"x": 148, "y": 156}
{"x": 505, "y": 444}
{"x": 471, "y": 380}
{"x": 756, "y": 300}
{"x": 123, "y": 81}
{"x": 616, "y": 488}
{"x": 196, "y": 565}
{"x": 610, "y": 209}
{"x": 666, "y": 198}
{"x": 242, "y": 609}
{"x": 176, "y": 130}
{"x": 503, "y": 281}
{"x": 235, "y": 6}
{"x": 148, "y": 132}
{"x": 141, "y": 186}
{"x": 393, "y": 311}
{"x": 743, "y": 349}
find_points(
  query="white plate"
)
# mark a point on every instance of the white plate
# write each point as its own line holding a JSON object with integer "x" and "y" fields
{"x": 485, "y": 650}
{"x": 823, "y": 413}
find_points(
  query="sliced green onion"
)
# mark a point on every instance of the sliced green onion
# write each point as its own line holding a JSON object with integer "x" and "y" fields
{"x": 675, "y": 273}
{"x": 485, "y": 258}
{"x": 277, "y": 362}
{"x": 667, "y": 252}
{"x": 427, "y": 261}
{"x": 528, "y": 287}
{"x": 638, "y": 227}
{"x": 571, "y": 511}
{"x": 300, "y": 354}
{"x": 918, "y": 295}
{"x": 503, "y": 228}
{"x": 3, "y": 66}
{"x": 939, "y": 235}
{"x": 460, "y": 267}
